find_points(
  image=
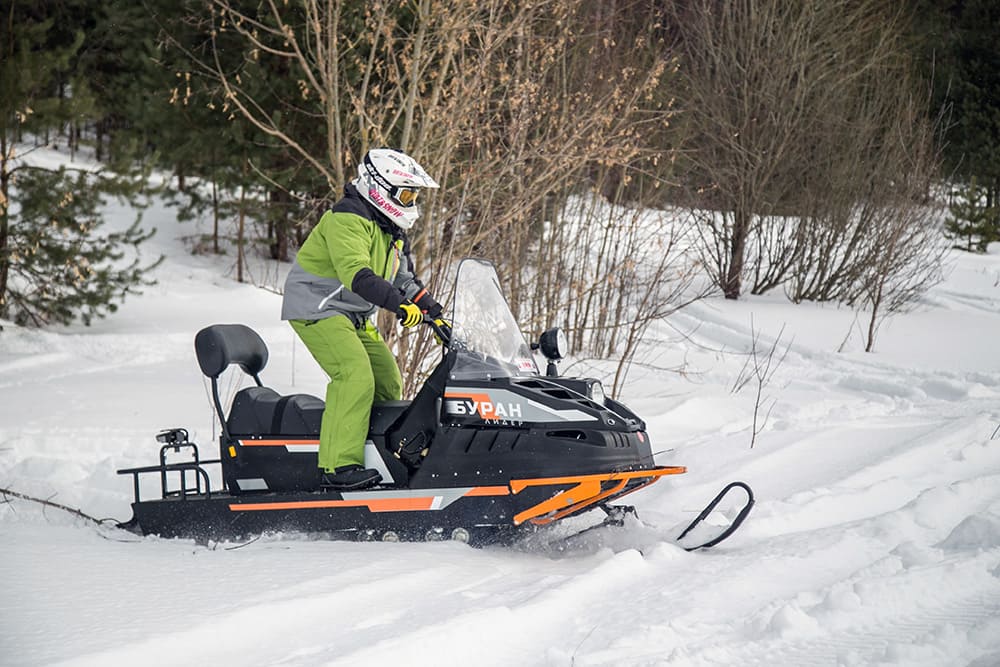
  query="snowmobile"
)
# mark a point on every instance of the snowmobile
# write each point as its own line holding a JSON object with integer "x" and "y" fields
{"x": 487, "y": 450}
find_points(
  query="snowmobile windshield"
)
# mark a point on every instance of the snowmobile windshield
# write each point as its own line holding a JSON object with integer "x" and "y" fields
{"x": 485, "y": 335}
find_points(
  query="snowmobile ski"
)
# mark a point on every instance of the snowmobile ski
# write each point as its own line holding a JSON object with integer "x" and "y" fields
{"x": 727, "y": 529}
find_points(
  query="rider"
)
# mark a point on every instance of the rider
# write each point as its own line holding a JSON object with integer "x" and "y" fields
{"x": 354, "y": 261}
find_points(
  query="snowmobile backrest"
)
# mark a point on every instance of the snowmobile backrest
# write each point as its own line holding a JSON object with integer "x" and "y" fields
{"x": 221, "y": 345}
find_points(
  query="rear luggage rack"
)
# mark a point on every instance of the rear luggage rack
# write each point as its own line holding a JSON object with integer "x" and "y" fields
{"x": 175, "y": 439}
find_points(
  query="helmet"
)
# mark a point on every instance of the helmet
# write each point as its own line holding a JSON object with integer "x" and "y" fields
{"x": 391, "y": 181}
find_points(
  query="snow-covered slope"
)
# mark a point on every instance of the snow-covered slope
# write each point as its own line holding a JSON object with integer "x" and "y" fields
{"x": 876, "y": 538}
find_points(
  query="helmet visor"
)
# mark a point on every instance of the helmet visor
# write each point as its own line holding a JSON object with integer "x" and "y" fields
{"x": 405, "y": 196}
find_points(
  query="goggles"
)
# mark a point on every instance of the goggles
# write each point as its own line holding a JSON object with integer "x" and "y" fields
{"x": 404, "y": 196}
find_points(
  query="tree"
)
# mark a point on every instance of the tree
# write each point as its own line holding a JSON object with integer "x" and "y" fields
{"x": 959, "y": 40}
{"x": 972, "y": 219}
{"x": 785, "y": 105}
{"x": 54, "y": 263}
{"x": 515, "y": 107}
{"x": 60, "y": 265}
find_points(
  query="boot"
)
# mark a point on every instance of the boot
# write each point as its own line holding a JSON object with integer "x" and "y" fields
{"x": 350, "y": 478}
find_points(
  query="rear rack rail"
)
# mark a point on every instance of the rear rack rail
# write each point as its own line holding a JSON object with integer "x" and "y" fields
{"x": 176, "y": 440}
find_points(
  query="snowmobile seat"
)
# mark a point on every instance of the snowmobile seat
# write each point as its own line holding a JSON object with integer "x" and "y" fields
{"x": 256, "y": 410}
{"x": 261, "y": 410}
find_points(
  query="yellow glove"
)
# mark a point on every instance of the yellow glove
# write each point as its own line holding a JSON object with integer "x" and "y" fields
{"x": 409, "y": 315}
{"x": 445, "y": 327}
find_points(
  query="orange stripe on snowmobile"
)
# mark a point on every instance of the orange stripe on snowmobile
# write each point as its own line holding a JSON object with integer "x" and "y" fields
{"x": 518, "y": 485}
{"x": 541, "y": 521}
{"x": 588, "y": 491}
{"x": 484, "y": 405}
{"x": 577, "y": 496}
{"x": 489, "y": 491}
{"x": 614, "y": 491}
{"x": 276, "y": 442}
{"x": 373, "y": 504}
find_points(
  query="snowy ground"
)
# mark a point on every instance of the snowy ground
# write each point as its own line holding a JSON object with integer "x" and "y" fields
{"x": 875, "y": 540}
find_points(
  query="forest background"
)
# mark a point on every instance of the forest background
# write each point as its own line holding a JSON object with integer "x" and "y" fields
{"x": 832, "y": 149}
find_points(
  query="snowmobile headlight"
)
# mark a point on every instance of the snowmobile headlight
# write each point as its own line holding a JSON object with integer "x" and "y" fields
{"x": 553, "y": 343}
{"x": 597, "y": 392}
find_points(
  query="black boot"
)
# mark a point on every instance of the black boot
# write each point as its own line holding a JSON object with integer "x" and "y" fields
{"x": 350, "y": 478}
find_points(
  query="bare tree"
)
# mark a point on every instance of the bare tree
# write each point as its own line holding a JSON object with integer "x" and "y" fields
{"x": 759, "y": 369}
{"x": 764, "y": 90}
{"x": 515, "y": 106}
{"x": 629, "y": 269}
{"x": 877, "y": 242}
{"x": 910, "y": 246}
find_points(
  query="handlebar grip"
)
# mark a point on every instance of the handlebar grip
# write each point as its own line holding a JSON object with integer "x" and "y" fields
{"x": 442, "y": 332}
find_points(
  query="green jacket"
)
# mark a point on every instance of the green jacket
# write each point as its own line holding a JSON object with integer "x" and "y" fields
{"x": 346, "y": 253}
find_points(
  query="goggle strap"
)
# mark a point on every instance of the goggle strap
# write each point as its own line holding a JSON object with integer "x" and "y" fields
{"x": 393, "y": 190}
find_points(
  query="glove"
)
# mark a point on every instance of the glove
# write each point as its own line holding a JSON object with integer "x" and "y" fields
{"x": 426, "y": 302}
{"x": 409, "y": 315}
{"x": 445, "y": 327}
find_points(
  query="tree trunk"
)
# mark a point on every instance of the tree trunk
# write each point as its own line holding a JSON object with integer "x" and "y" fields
{"x": 279, "y": 225}
{"x": 241, "y": 228}
{"x": 4, "y": 224}
{"x": 98, "y": 140}
{"x": 215, "y": 216}
{"x": 876, "y": 304}
{"x": 737, "y": 250}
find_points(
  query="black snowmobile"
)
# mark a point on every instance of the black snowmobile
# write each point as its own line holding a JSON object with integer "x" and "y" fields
{"x": 487, "y": 450}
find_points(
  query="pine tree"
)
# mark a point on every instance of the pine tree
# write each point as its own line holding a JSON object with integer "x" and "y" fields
{"x": 958, "y": 39}
{"x": 55, "y": 263}
{"x": 972, "y": 219}
{"x": 61, "y": 266}
{"x": 204, "y": 135}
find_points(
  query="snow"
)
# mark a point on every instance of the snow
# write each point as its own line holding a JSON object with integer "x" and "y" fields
{"x": 875, "y": 539}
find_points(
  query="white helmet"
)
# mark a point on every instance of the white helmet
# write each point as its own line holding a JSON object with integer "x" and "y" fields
{"x": 391, "y": 181}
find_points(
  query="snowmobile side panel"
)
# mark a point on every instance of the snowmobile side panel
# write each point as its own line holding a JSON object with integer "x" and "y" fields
{"x": 411, "y": 513}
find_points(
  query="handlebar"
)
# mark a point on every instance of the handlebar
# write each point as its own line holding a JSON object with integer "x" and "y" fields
{"x": 443, "y": 332}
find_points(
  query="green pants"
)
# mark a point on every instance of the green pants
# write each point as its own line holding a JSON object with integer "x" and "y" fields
{"x": 361, "y": 370}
